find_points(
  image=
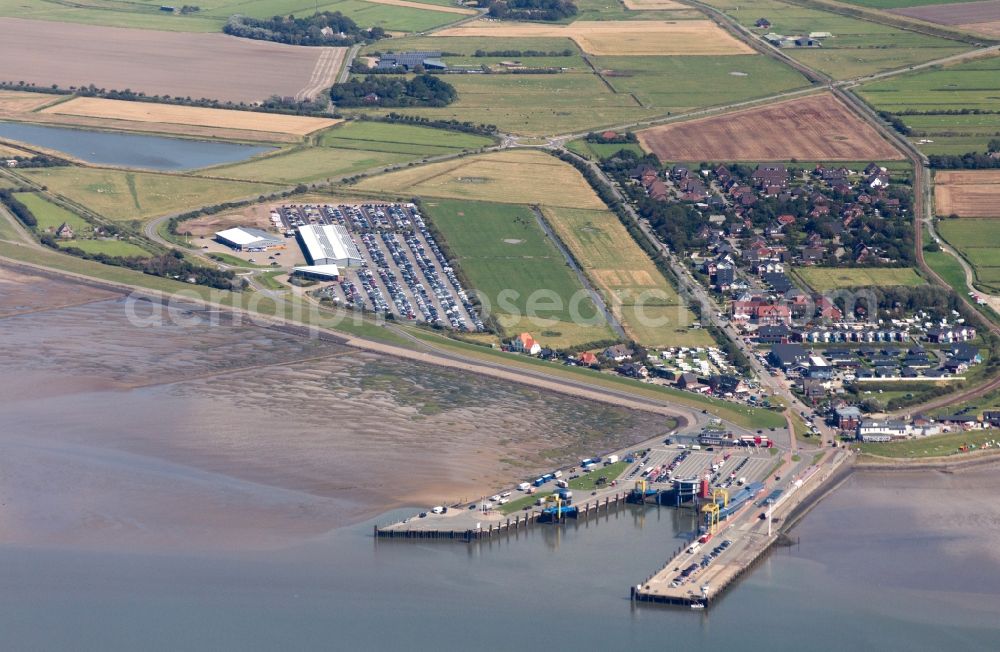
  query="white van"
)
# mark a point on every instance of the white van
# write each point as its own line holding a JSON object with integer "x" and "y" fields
{"x": 437, "y": 510}
{"x": 695, "y": 447}
{"x": 523, "y": 486}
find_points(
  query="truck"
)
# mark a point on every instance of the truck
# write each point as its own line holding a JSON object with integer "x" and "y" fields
{"x": 562, "y": 484}
{"x": 557, "y": 474}
{"x": 523, "y": 486}
{"x": 611, "y": 460}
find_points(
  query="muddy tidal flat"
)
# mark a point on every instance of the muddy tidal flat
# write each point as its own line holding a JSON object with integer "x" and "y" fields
{"x": 124, "y": 431}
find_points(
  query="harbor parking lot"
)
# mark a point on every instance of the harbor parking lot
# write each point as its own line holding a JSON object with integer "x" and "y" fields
{"x": 404, "y": 271}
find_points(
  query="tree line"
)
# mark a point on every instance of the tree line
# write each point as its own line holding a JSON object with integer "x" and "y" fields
{"x": 328, "y": 28}
{"x": 541, "y": 10}
{"x": 373, "y": 90}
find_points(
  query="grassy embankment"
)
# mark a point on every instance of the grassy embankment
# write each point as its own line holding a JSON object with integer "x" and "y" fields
{"x": 740, "y": 415}
{"x": 932, "y": 446}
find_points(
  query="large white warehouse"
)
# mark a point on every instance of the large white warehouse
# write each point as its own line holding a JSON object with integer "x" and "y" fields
{"x": 329, "y": 244}
{"x": 249, "y": 239}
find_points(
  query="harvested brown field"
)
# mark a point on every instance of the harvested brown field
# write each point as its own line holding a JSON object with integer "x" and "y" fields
{"x": 523, "y": 176}
{"x": 648, "y": 5}
{"x": 423, "y": 5}
{"x": 816, "y": 128}
{"x": 967, "y": 193}
{"x": 95, "y": 107}
{"x": 991, "y": 28}
{"x": 162, "y": 63}
{"x": 21, "y": 102}
{"x": 609, "y": 38}
{"x": 959, "y": 13}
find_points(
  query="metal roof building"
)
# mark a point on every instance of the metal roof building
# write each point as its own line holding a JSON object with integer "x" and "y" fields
{"x": 249, "y": 239}
{"x": 329, "y": 244}
{"x": 410, "y": 60}
{"x": 321, "y": 272}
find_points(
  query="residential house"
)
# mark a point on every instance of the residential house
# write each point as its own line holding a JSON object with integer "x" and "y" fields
{"x": 848, "y": 418}
{"x": 525, "y": 343}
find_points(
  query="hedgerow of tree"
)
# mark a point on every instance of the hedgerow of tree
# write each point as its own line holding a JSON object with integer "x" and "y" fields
{"x": 382, "y": 90}
{"x": 545, "y": 10}
{"x": 330, "y": 28}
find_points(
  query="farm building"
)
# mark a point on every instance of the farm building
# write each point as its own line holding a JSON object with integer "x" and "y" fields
{"x": 410, "y": 60}
{"x": 318, "y": 272}
{"x": 329, "y": 244}
{"x": 249, "y": 239}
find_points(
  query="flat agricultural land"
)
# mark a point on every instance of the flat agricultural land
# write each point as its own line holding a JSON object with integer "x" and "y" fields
{"x": 650, "y": 5}
{"x": 823, "y": 279}
{"x": 649, "y": 307}
{"x": 306, "y": 165}
{"x": 511, "y": 177}
{"x": 22, "y": 102}
{"x": 426, "y": 6}
{"x": 858, "y": 47}
{"x": 502, "y": 249}
{"x": 122, "y": 195}
{"x": 979, "y": 243}
{"x": 819, "y": 127}
{"x": 967, "y": 193}
{"x": 392, "y": 15}
{"x": 897, "y": 4}
{"x": 938, "y": 96}
{"x": 95, "y": 107}
{"x": 973, "y": 16}
{"x": 401, "y": 138}
{"x": 162, "y": 63}
{"x": 633, "y": 38}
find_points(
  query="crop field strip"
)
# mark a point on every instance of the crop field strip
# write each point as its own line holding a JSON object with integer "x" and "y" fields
{"x": 650, "y": 309}
{"x": 818, "y": 127}
{"x": 982, "y": 16}
{"x": 511, "y": 176}
{"x": 633, "y": 38}
{"x": 157, "y": 63}
{"x": 967, "y": 193}
{"x": 94, "y": 107}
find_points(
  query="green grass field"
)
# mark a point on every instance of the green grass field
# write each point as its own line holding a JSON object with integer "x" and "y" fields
{"x": 534, "y": 104}
{"x": 108, "y": 247}
{"x": 381, "y": 136}
{"x": 502, "y": 250}
{"x": 146, "y": 14}
{"x": 933, "y": 446}
{"x": 121, "y": 195}
{"x": 597, "y": 151}
{"x": 948, "y": 268}
{"x": 978, "y": 240}
{"x": 971, "y": 85}
{"x": 901, "y": 4}
{"x": 51, "y": 216}
{"x": 307, "y": 165}
{"x": 858, "y": 47}
{"x": 822, "y": 279}
{"x": 697, "y": 81}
